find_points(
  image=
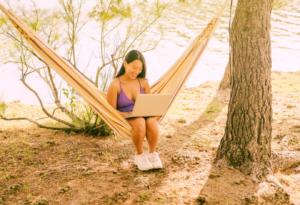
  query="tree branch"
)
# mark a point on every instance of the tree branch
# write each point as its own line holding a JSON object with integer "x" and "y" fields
{"x": 43, "y": 108}
{"x": 79, "y": 71}
{"x": 57, "y": 101}
{"x": 40, "y": 125}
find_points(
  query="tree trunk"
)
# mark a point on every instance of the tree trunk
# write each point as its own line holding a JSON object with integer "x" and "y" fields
{"x": 225, "y": 82}
{"x": 246, "y": 143}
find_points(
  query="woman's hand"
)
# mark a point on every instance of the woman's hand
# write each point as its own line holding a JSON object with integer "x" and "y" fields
{"x": 125, "y": 114}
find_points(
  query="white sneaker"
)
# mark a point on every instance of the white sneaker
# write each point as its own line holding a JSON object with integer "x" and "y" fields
{"x": 142, "y": 162}
{"x": 155, "y": 160}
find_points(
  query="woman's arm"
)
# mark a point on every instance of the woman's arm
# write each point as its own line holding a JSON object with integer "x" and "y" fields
{"x": 145, "y": 85}
{"x": 112, "y": 95}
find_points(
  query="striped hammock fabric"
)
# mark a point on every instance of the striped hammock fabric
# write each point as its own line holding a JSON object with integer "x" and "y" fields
{"x": 171, "y": 82}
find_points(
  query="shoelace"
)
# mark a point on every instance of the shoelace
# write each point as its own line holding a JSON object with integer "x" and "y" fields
{"x": 143, "y": 158}
{"x": 154, "y": 157}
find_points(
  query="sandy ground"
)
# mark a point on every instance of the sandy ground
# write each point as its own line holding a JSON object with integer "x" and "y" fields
{"x": 39, "y": 166}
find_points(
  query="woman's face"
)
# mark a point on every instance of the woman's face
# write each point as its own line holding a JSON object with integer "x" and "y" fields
{"x": 133, "y": 69}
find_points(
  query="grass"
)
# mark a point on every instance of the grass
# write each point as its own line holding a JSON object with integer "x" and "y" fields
{"x": 145, "y": 197}
{"x": 213, "y": 109}
{"x": 174, "y": 194}
{"x": 3, "y": 106}
{"x": 183, "y": 35}
{"x": 160, "y": 200}
{"x": 288, "y": 84}
{"x": 182, "y": 120}
{"x": 108, "y": 201}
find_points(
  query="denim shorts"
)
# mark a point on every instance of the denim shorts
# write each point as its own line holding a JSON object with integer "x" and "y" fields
{"x": 130, "y": 112}
{"x": 127, "y": 112}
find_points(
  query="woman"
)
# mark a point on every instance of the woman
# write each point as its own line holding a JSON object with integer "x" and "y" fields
{"x": 121, "y": 95}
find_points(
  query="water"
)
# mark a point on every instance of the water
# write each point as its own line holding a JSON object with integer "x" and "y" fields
{"x": 182, "y": 24}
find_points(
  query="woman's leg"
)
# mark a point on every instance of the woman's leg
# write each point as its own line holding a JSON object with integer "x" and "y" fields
{"x": 152, "y": 138}
{"x": 138, "y": 133}
{"x": 152, "y": 133}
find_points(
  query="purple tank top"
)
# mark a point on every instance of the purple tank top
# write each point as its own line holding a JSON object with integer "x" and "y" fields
{"x": 124, "y": 104}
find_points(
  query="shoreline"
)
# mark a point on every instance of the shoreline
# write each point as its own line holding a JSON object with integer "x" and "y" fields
{"x": 184, "y": 87}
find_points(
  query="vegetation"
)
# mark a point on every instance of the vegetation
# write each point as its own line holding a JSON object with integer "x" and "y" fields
{"x": 278, "y": 4}
{"x": 3, "y": 106}
{"x": 110, "y": 16}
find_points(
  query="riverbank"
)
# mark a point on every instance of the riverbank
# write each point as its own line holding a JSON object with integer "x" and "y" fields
{"x": 44, "y": 165}
{"x": 182, "y": 23}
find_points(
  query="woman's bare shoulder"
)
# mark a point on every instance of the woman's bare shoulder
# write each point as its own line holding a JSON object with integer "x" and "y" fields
{"x": 144, "y": 81}
{"x": 115, "y": 81}
{"x": 115, "y": 84}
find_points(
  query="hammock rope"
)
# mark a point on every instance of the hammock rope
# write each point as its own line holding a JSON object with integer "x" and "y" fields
{"x": 171, "y": 82}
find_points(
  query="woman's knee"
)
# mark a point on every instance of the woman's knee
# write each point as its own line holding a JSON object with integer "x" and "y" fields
{"x": 151, "y": 121}
{"x": 139, "y": 125}
{"x": 151, "y": 124}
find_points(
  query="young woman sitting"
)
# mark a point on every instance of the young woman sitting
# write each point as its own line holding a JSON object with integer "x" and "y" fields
{"x": 121, "y": 95}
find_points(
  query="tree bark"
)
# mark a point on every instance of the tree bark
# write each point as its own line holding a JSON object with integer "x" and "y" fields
{"x": 246, "y": 143}
{"x": 225, "y": 82}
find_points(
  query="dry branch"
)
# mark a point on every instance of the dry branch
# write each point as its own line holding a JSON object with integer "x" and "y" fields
{"x": 74, "y": 129}
{"x": 43, "y": 108}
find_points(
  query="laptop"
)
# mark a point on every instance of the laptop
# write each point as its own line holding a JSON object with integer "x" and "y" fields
{"x": 147, "y": 105}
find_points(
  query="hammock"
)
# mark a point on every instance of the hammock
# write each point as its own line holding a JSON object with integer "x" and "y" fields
{"x": 171, "y": 82}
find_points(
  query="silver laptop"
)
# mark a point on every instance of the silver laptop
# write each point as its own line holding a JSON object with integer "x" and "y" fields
{"x": 147, "y": 105}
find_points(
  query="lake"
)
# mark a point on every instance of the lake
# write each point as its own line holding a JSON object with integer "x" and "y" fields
{"x": 182, "y": 23}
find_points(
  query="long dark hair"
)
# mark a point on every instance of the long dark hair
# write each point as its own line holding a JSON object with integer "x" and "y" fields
{"x": 130, "y": 57}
